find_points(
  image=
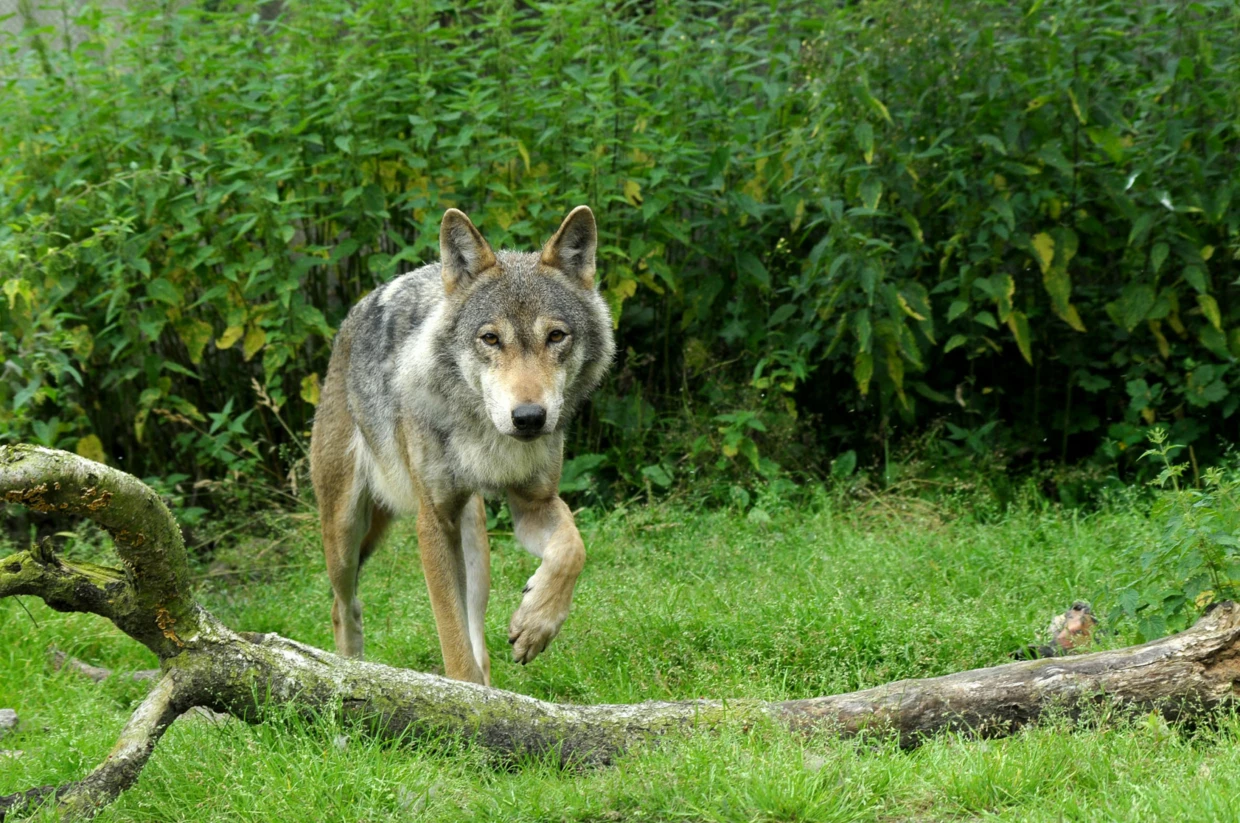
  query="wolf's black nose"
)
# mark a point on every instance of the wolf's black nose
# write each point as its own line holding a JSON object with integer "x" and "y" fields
{"x": 529, "y": 417}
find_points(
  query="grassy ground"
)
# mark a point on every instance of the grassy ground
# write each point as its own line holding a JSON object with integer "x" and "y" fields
{"x": 672, "y": 604}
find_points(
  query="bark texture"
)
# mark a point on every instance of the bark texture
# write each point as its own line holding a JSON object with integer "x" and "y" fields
{"x": 205, "y": 663}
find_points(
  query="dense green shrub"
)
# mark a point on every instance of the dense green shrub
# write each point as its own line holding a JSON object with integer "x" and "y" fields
{"x": 1194, "y": 562}
{"x": 1032, "y": 219}
{"x": 820, "y": 224}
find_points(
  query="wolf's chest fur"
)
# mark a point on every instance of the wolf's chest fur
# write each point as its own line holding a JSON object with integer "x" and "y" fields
{"x": 479, "y": 461}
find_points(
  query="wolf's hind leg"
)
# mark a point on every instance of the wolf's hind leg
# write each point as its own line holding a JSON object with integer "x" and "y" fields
{"x": 477, "y": 552}
{"x": 345, "y": 529}
{"x": 380, "y": 519}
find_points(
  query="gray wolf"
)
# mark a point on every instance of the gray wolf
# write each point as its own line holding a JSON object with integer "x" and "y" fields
{"x": 450, "y": 382}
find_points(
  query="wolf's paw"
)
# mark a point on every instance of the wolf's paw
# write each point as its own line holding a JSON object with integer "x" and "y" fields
{"x": 534, "y": 624}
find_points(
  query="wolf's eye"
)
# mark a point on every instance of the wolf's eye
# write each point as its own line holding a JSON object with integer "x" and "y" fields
{"x": 491, "y": 339}
{"x": 556, "y": 336}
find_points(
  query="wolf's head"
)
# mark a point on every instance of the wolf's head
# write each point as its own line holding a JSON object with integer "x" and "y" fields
{"x": 531, "y": 334}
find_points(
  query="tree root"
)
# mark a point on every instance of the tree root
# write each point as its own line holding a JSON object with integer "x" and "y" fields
{"x": 250, "y": 676}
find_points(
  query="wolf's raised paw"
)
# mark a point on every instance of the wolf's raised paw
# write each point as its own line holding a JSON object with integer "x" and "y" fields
{"x": 532, "y": 629}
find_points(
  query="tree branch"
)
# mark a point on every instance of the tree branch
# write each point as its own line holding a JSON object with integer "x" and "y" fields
{"x": 150, "y": 599}
{"x": 85, "y": 797}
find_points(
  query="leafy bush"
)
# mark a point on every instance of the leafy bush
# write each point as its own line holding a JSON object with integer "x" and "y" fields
{"x": 1048, "y": 184}
{"x": 820, "y": 227}
{"x": 1195, "y": 560}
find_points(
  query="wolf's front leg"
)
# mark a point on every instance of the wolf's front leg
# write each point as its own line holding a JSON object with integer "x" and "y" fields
{"x": 443, "y": 561}
{"x": 545, "y": 527}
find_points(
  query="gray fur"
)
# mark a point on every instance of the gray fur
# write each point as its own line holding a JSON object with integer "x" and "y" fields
{"x": 413, "y": 320}
{"x": 456, "y": 379}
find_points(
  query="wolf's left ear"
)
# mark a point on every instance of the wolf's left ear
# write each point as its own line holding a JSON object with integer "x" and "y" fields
{"x": 462, "y": 249}
{"x": 571, "y": 249}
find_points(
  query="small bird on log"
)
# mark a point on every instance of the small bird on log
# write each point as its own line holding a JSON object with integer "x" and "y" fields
{"x": 1073, "y": 629}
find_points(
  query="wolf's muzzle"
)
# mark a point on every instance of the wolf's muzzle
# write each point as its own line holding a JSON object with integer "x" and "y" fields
{"x": 528, "y": 419}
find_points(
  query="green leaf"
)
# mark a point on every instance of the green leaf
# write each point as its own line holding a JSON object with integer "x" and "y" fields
{"x": 344, "y": 249}
{"x": 749, "y": 264}
{"x": 844, "y": 465}
{"x": 915, "y": 301}
{"x": 1043, "y": 246}
{"x": 1133, "y": 305}
{"x": 930, "y": 394}
{"x": 91, "y": 447}
{"x": 862, "y": 328}
{"x": 1019, "y": 324}
{"x": 867, "y": 97}
{"x": 255, "y": 339}
{"x": 1209, "y": 307}
{"x": 863, "y": 370}
{"x": 310, "y": 389}
{"x": 1158, "y": 255}
{"x": 1151, "y": 626}
{"x": 907, "y": 345}
{"x": 1110, "y": 142}
{"x": 993, "y": 142}
{"x": 864, "y": 133}
{"x": 871, "y": 193}
{"x": 164, "y": 291}
{"x": 749, "y": 449}
{"x": 1057, "y": 251}
{"x": 1196, "y": 277}
{"x": 1140, "y": 228}
{"x": 1076, "y": 107}
{"x": 895, "y": 370}
{"x": 26, "y": 394}
{"x": 1004, "y": 209}
{"x": 230, "y": 336}
{"x": 1052, "y": 155}
{"x": 15, "y": 286}
{"x": 954, "y": 342}
{"x": 195, "y": 334}
{"x": 1204, "y": 386}
{"x": 577, "y": 473}
{"x": 908, "y": 309}
{"x": 781, "y": 314}
{"x": 914, "y": 226}
{"x": 1000, "y": 288}
{"x": 1066, "y": 245}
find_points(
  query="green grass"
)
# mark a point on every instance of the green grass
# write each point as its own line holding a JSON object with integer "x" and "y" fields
{"x": 672, "y": 604}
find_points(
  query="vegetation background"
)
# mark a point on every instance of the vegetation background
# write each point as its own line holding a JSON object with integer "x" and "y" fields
{"x": 1000, "y": 232}
{"x": 958, "y": 260}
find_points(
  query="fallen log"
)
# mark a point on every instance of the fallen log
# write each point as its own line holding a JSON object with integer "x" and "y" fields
{"x": 204, "y": 663}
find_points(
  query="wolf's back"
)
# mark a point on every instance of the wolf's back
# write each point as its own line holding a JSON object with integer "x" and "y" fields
{"x": 375, "y": 330}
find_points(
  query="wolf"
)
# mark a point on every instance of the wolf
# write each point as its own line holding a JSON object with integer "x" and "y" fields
{"x": 451, "y": 382}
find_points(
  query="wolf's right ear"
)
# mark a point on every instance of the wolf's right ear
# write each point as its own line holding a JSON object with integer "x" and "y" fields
{"x": 462, "y": 249}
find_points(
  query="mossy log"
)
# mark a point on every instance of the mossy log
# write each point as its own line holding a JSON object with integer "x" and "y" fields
{"x": 205, "y": 663}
